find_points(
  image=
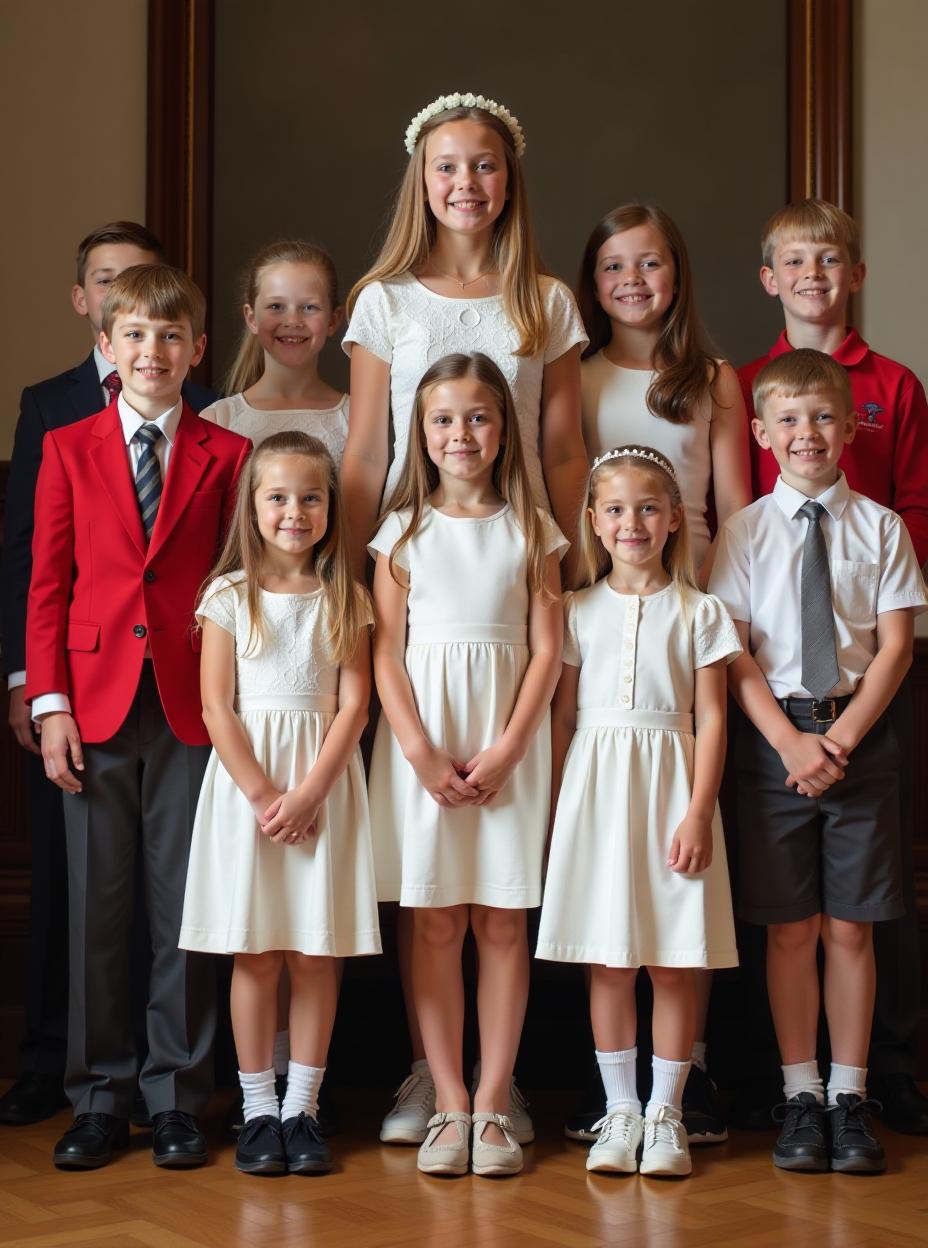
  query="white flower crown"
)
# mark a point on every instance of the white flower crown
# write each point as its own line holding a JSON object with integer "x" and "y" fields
{"x": 464, "y": 100}
{"x": 635, "y": 452}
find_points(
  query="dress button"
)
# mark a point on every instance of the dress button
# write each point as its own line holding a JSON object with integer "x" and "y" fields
{"x": 140, "y": 630}
{"x": 627, "y": 679}
{"x": 626, "y": 698}
{"x": 148, "y": 576}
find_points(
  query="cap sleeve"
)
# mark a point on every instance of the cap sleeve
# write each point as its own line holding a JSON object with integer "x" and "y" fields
{"x": 371, "y": 324}
{"x": 571, "y": 651}
{"x": 554, "y": 540}
{"x": 220, "y": 603}
{"x": 387, "y": 536}
{"x": 565, "y": 328}
{"x": 714, "y": 634}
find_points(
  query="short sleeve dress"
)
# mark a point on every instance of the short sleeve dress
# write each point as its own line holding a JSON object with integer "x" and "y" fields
{"x": 329, "y": 424}
{"x": 246, "y": 894}
{"x": 610, "y": 897}
{"x": 410, "y": 328}
{"x": 466, "y": 654}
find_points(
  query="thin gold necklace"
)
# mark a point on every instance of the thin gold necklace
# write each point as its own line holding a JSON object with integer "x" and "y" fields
{"x": 463, "y": 285}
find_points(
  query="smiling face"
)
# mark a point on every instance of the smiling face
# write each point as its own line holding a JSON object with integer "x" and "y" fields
{"x": 292, "y": 315}
{"x": 104, "y": 262}
{"x": 807, "y": 433}
{"x": 463, "y": 428}
{"x": 635, "y": 277}
{"x": 466, "y": 177}
{"x": 813, "y": 281}
{"x": 633, "y": 515}
{"x": 152, "y": 358}
{"x": 292, "y": 505}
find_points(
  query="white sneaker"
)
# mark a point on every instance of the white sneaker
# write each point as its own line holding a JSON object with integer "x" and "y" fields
{"x": 414, "y": 1104}
{"x": 616, "y": 1150}
{"x": 522, "y": 1129}
{"x": 665, "y": 1150}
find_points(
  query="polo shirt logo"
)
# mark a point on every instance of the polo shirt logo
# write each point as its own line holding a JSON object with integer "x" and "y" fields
{"x": 868, "y": 417}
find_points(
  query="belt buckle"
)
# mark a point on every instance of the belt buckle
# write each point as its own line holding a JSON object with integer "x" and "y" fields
{"x": 818, "y": 718}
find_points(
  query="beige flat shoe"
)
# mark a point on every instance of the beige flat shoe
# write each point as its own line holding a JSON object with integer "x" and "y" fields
{"x": 447, "y": 1156}
{"x": 495, "y": 1160}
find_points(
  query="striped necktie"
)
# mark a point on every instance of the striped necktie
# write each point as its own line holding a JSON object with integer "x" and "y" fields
{"x": 819, "y": 659}
{"x": 148, "y": 475}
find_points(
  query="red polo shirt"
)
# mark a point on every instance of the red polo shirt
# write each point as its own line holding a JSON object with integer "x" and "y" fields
{"x": 888, "y": 459}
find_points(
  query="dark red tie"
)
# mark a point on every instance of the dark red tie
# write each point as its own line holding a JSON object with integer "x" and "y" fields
{"x": 112, "y": 384}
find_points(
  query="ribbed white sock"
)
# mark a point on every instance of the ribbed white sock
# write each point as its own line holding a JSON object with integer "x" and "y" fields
{"x": 303, "y": 1084}
{"x": 669, "y": 1080}
{"x": 281, "y": 1052}
{"x": 258, "y": 1095}
{"x": 618, "y": 1071}
{"x": 803, "y": 1077}
{"x": 698, "y": 1055}
{"x": 851, "y": 1080}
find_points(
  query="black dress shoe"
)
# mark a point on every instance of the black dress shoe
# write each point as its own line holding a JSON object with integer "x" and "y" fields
{"x": 178, "y": 1142}
{"x": 905, "y": 1108}
{"x": 801, "y": 1142}
{"x": 260, "y": 1148}
{"x": 306, "y": 1150}
{"x": 90, "y": 1141}
{"x": 702, "y": 1120}
{"x": 854, "y": 1148}
{"x": 32, "y": 1098}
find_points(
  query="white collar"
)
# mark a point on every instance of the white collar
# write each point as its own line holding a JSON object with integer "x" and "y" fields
{"x": 131, "y": 421}
{"x": 834, "y": 499}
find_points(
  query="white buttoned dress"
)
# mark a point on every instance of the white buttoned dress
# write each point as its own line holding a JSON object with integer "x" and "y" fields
{"x": 610, "y": 897}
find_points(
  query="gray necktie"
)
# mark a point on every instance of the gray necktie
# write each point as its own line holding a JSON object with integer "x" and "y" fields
{"x": 819, "y": 659}
{"x": 148, "y": 476}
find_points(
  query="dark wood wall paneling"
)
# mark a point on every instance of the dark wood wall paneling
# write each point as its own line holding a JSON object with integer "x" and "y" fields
{"x": 179, "y": 210}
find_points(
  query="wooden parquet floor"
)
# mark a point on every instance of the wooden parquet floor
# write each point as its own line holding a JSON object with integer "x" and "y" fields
{"x": 377, "y": 1199}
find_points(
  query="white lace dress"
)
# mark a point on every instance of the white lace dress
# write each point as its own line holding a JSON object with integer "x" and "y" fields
{"x": 244, "y": 893}
{"x": 329, "y": 424}
{"x": 466, "y": 654}
{"x": 410, "y": 328}
{"x": 610, "y": 897}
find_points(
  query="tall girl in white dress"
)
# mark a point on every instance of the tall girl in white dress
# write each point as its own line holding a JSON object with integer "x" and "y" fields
{"x": 637, "y": 873}
{"x": 291, "y": 309}
{"x": 281, "y": 870}
{"x": 466, "y": 656}
{"x": 648, "y": 376}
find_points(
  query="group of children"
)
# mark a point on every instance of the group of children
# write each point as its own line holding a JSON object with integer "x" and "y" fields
{"x": 186, "y": 590}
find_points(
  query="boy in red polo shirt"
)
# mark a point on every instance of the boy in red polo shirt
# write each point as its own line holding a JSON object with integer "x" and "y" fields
{"x": 811, "y": 262}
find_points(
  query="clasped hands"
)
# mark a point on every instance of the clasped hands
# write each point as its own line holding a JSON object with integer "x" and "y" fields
{"x": 453, "y": 783}
{"x": 813, "y": 763}
{"x": 286, "y": 818}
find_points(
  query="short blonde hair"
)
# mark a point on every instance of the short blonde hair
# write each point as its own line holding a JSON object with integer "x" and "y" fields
{"x": 798, "y": 372}
{"x": 156, "y": 290}
{"x": 812, "y": 220}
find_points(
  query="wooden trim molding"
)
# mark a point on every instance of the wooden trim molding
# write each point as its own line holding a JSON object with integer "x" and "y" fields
{"x": 820, "y": 100}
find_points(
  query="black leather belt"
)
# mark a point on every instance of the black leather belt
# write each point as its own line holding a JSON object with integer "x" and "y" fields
{"x": 819, "y": 710}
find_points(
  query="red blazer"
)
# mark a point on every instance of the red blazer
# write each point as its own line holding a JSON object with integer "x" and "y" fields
{"x": 99, "y": 595}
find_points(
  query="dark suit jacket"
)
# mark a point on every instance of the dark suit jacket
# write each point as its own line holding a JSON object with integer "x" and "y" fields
{"x": 51, "y": 404}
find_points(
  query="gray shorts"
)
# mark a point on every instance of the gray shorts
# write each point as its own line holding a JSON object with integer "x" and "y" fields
{"x": 836, "y": 855}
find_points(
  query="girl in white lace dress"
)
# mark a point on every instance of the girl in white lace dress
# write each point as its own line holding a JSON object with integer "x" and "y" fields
{"x": 466, "y": 655}
{"x": 637, "y": 873}
{"x": 281, "y": 869}
{"x": 291, "y": 309}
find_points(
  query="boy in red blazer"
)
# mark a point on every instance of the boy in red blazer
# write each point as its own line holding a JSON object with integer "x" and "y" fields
{"x": 131, "y": 506}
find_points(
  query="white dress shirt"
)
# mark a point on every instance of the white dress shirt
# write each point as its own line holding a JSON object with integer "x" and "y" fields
{"x": 757, "y": 575}
{"x": 131, "y": 421}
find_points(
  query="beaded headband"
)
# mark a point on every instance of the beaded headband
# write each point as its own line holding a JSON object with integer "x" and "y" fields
{"x": 466, "y": 100}
{"x": 635, "y": 452}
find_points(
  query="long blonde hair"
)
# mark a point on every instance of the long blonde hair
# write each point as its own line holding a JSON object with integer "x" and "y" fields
{"x": 248, "y": 364}
{"x": 411, "y": 234}
{"x": 329, "y": 559}
{"x": 420, "y": 476}
{"x": 594, "y": 561}
{"x": 684, "y": 366}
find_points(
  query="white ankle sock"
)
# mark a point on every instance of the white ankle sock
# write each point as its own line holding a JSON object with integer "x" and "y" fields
{"x": 303, "y": 1084}
{"x": 669, "y": 1080}
{"x": 803, "y": 1077}
{"x": 851, "y": 1080}
{"x": 618, "y": 1071}
{"x": 258, "y": 1095}
{"x": 281, "y": 1052}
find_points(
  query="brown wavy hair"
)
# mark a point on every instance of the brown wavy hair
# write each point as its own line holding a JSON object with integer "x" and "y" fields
{"x": 330, "y": 561}
{"x": 420, "y": 476}
{"x": 684, "y": 366}
{"x": 411, "y": 234}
